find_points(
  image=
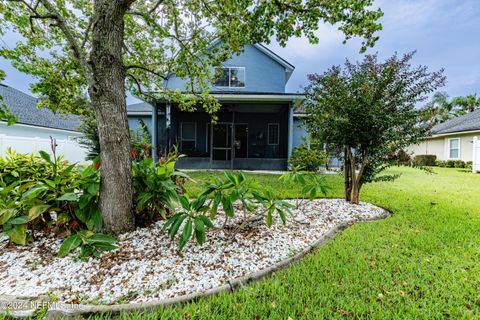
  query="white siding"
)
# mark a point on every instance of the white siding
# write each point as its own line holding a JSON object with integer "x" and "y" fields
{"x": 29, "y": 139}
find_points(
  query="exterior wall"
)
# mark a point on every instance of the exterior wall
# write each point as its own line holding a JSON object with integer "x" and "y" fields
{"x": 299, "y": 132}
{"x": 20, "y": 130}
{"x": 134, "y": 124}
{"x": 439, "y": 146}
{"x": 430, "y": 146}
{"x": 262, "y": 74}
{"x": 26, "y": 140}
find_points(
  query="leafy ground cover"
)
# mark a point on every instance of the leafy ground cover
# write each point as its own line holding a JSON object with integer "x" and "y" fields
{"x": 423, "y": 262}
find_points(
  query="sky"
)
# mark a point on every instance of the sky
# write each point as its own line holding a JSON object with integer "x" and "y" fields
{"x": 445, "y": 34}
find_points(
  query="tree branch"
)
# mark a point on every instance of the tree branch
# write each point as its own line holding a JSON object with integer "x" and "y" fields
{"x": 362, "y": 168}
{"x": 147, "y": 70}
{"x": 87, "y": 32}
{"x": 149, "y": 12}
{"x": 139, "y": 87}
{"x": 36, "y": 16}
{"x": 71, "y": 39}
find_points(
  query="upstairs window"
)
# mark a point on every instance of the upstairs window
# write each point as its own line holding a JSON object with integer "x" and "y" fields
{"x": 230, "y": 77}
{"x": 454, "y": 148}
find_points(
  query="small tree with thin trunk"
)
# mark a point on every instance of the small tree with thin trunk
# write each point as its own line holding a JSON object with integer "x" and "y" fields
{"x": 368, "y": 109}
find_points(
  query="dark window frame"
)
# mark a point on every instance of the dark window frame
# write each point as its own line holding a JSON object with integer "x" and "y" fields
{"x": 278, "y": 134}
{"x": 188, "y": 140}
{"x": 230, "y": 78}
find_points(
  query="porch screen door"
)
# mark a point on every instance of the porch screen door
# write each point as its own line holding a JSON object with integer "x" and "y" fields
{"x": 222, "y": 141}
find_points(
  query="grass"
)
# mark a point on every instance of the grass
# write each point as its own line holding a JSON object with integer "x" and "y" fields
{"x": 423, "y": 262}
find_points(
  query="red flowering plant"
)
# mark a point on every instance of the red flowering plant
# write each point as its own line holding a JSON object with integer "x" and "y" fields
{"x": 141, "y": 138}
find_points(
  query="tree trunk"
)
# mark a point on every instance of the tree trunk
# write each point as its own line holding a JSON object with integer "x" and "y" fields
{"x": 355, "y": 193}
{"x": 108, "y": 100}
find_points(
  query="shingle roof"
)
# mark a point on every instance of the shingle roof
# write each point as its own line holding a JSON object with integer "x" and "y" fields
{"x": 24, "y": 107}
{"x": 139, "y": 107}
{"x": 467, "y": 122}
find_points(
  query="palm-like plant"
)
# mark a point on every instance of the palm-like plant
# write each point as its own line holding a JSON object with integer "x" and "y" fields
{"x": 466, "y": 104}
{"x": 438, "y": 110}
{"x": 441, "y": 108}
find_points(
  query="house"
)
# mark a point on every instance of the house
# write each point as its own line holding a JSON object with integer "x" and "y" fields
{"x": 257, "y": 125}
{"x": 454, "y": 139}
{"x": 34, "y": 127}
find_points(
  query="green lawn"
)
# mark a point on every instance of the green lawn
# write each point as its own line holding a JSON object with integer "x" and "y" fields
{"x": 423, "y": 262}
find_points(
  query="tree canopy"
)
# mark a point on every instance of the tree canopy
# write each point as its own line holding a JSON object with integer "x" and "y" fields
{"x": 368, "y": 109}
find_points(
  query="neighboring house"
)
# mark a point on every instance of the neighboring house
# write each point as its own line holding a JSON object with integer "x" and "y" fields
{"x": 35, "y": 126}
{"x": 453, "y": 139}
{"x": 257, "y": 125}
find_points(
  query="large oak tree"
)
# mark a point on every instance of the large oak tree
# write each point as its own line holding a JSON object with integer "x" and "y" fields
{"x": 105, "y": 47}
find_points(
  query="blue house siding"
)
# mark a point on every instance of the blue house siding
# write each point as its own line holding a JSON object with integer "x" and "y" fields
{"x": 262, "y": 74}
{"x": 299, "y": 132}
{"x": 134, "y": 124}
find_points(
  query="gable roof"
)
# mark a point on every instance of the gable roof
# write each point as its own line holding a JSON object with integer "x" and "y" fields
{"x": 464, "y": 123}
{"x": 24, "y": 107}
{"x": 272, "y": 55}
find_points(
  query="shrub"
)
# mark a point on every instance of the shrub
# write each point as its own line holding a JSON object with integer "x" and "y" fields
{"x": 261, "y": 202}
{"x": 307, "y": 159}
{"x": 22, "y": 167}
{"x": 450, "y": 163}
{"x": 307, "y": 184}
{"x": 440, "y": 163}
{"x": 91, "y": 244}
{"x": 40, "y": 192}
{"x": 155, "y": 187}
{"x": 61, "y": 199}
{"x": 425, "y": 160}
{"x": 141, "y": 140}
{"x": 192, "y": 213}
{"x": 404, "y": 158}
{"x": 459, "y": 164}
{"x": 469, "y": 165}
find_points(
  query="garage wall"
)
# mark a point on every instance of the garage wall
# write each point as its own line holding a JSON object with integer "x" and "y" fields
{"x": 28, "y": 139}
{"x": 439, "y": 146}
{"x": 430, "y": 146}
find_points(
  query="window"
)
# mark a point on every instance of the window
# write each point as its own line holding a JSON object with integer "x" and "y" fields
{"x": 188, "y": 133}
{"x": 273, "y": 133}
{"x": 230, "y": 77}
{"x": 454, "y": 148}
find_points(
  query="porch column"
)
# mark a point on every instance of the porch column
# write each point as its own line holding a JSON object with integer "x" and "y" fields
{"x": 168, "y": 123}
{"x": 290, "y": 131}
{"x": 155, "y": 132}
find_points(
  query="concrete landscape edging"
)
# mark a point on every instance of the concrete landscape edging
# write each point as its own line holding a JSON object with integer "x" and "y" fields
{"x": 60, "y": 310}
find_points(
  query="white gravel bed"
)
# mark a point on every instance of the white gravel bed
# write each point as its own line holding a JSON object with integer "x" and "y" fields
{"x": 147, "y": 265}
